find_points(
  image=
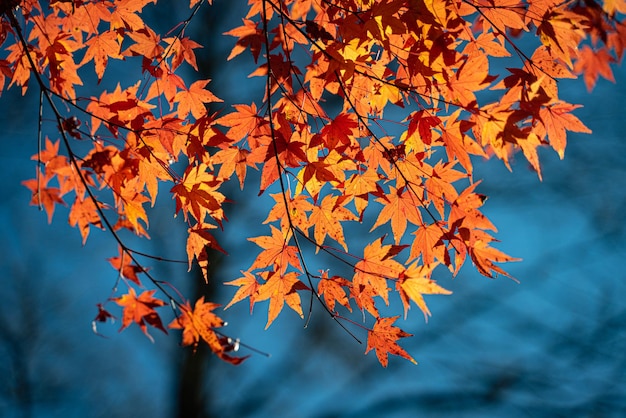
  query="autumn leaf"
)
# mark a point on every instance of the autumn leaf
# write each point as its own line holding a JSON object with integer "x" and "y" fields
{"x": 326, "y": 219}
{"x": 428, "y": 244}
{"x": 197, "y": 194}
{"x": 334, "y": 291}
{"x": 199, "y": 239}
{"x": 280, "y": 289}
{"x": 416, "y": 282}
{"x": 123, "y": 263}
{"x": 248, "y": 288}
{"x": 102, "y": 46}
{"x": 382, "y": 338}
{"x": 232, "y": 160}
{"x": 248, "y": 36}
{"x": 594, "y": 64}
{"x": 377, "y": 266}
{"x": 199, "y": 325}
{"x": 45, "y": 197}
{"x": 277, "y": 252}
{"x": 193, "y": 99}
{"x": 182, "y": 48}
{"x": 557, "y": 119}
{"x": 399, "y": 207}
{"x": 484, "y": 256}
{"x": 141, "y": 310}
{"x": 82, "y": 214}
{"x": 243, "y": 121}
{"x": 132, "y": 202}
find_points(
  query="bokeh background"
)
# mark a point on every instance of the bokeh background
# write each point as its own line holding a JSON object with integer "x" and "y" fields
{"x": 553, "y": 344}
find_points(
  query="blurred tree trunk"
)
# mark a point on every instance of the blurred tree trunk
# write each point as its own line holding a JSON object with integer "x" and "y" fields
{"x": 192, "y": 400}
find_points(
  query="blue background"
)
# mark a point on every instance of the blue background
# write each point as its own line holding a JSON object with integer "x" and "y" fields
{"x": 552, "y": 345}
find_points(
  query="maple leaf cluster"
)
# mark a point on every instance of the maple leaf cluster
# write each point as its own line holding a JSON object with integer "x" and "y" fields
{"x": 373, "y": 113}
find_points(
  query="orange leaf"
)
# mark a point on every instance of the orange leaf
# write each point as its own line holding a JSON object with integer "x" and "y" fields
{"x": 192, "y": 100}
{"x": 140, "y": 310}
{"x": 249, "y": 35}
{"x": 82, "y": 214}
{"x": 124, "y": 265}
{"x": 376, "y": 267}
{"x": 399, "y": 207}
{"x": 102, "y": 46}
{"x": 199, "y": 325}
{"x": 484, "y": 256}
{"x": 232, "y": 159}
{"x": 248, "y": 287}
{"x": 428, "y": 243}
{"x": 198, "y": 240}
{"x": 276, "y": 251}
{"x": 197, "y": 194}
{"x": 333, "y": 290}
{"x": 182, "y": 48}
{"x": 326, "y": 220}
{"x": 280, "y": 289}
{"x": 556, "y": 120}
{"x": 593, "y": 64}
{"x": 132, "y": 199}
{"x": 383, "y": 337}
{"x": 45, "y": 197}
{"x": 242, "y": 122}
{"x": 414, "y": 283}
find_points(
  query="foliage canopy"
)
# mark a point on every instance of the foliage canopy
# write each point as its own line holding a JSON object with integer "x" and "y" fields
{"x": 373, "y": 113}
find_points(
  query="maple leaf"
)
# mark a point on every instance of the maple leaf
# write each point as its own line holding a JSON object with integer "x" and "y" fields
{"x": 248, "y": 36}
{"x": 45, "y": 197}
{"x": 338, "y": 133}
{"x": 198, "y": 240}
{"x": 147, "y": 44}
{"x": 382, "y": 338}
{"x": 428, "y": 243}
{"x": 102, "y": 46}
{"x": 326, "y": 218}
{"x": 182, "y": 48}
{"x": 333, "y": 290}
{"x": 233, "y": 160}
{"x": 276, "y": 251}
{"x": 299, "y": 207}
{"x": 377, "y": 266}
{"x": 593, "y": 64}
{"x": 198, "y": 324}
{"x": 614, "y": 6}
{"x": 399, "y": 207}
{"x": 414, "y": 282}
{"x": 192, "y": 100}
{"x": 329, "y": 73}
{"x": 197, "y": 194}
{"x": 280, "y": 289}
{"x": 103, "y": 315}
{"x": 124, "y": 265}
{"x": 501, "y": 14}
{"x": 242, "y": 122}
{"x": 140, "y": 310}
{"x": 248, "y": 287}
{"x": 557, "y": 119}
{"x": 82, "y": 214}
{"x": 124, "y": 14}
{"x": 484, "y": 256}
{"x": 133, "y": 202}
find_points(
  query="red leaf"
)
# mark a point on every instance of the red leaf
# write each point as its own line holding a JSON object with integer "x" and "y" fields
{"x": 383, "y": 337}
{"x": 140, "y": 310}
